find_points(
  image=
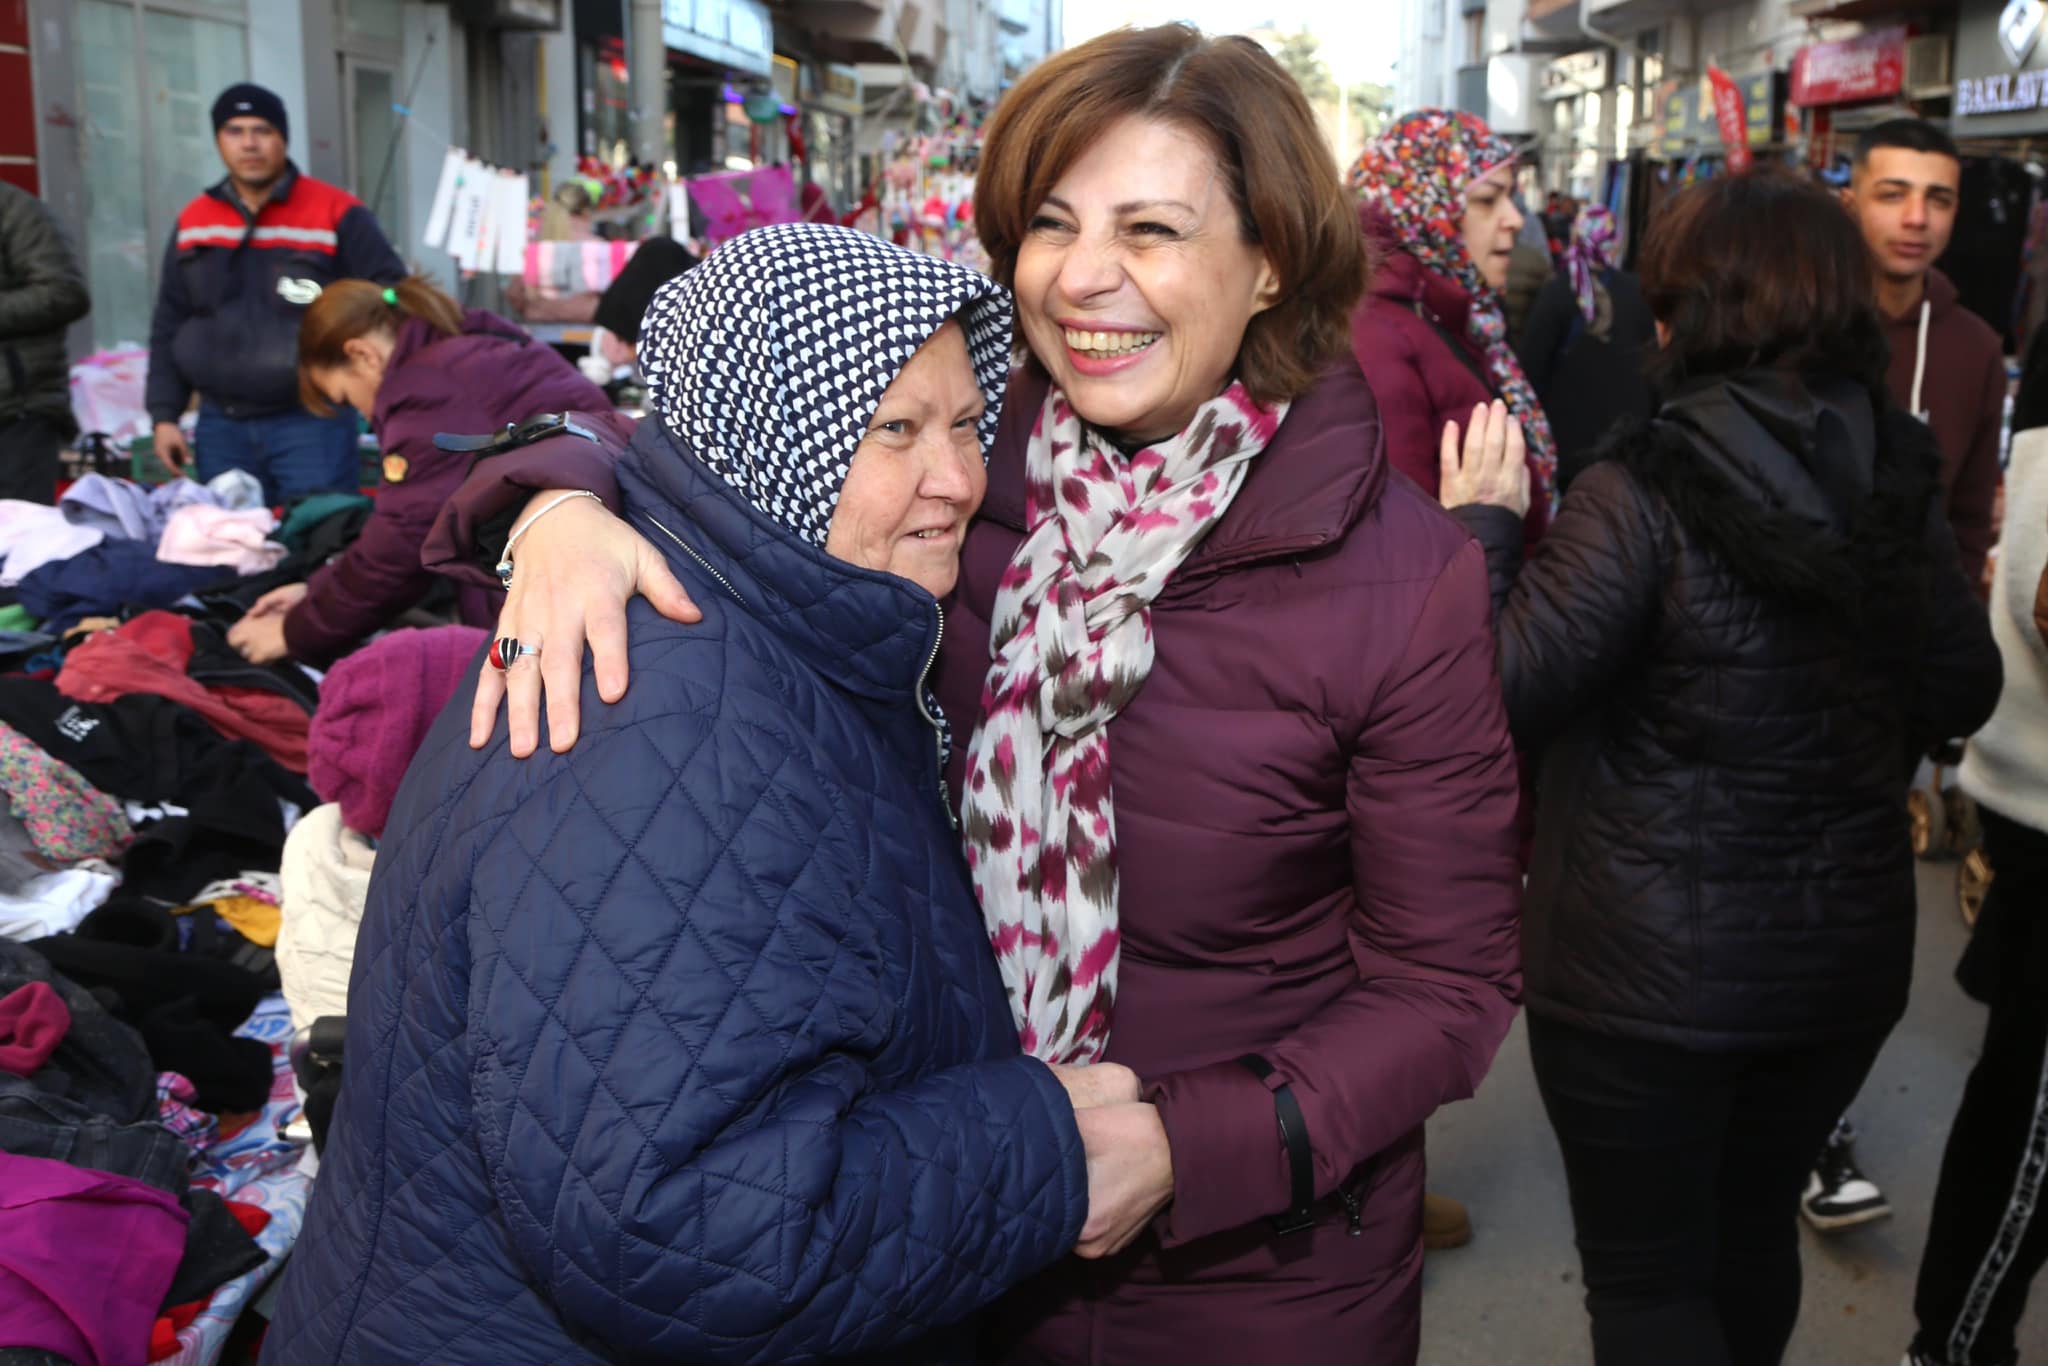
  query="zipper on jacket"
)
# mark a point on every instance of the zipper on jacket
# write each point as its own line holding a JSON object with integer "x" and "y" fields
{"x": 1353, "y": 1196}
{"x": 938, "y": 730}
{"x": 704, "y": 564}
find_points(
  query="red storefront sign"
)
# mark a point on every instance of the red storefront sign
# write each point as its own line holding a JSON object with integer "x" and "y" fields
{"x": 1871, "y": 66}
{"x": 1731, "y": 116}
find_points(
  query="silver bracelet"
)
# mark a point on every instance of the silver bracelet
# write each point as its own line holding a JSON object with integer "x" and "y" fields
{"x": 504, "y": 565}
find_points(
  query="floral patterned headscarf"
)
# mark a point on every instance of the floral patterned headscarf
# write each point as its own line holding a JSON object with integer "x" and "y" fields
{"x": 1591, "y": 251}
{"x": 1417, "y": 172}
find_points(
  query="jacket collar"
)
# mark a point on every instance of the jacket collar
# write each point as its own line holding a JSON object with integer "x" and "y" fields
{"x": 1324, "y": 468}
{"x": 869, "y": 633}
{"x": 280, "y": 193}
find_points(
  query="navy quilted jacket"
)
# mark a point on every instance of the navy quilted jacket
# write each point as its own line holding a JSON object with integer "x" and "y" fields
{"x": 687, "y": 1045}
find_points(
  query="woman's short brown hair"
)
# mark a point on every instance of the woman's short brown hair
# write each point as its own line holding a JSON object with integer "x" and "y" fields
{"x": 1764, "y": 269}
{"x": 348, "y": 309}
{"x": 1279, "y": 171}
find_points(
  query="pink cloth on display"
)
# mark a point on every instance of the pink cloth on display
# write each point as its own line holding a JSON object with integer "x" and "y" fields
{"x": 86, "y": 1261}
{"x": 375, "y": 708}
{"x": 202, "y": 535}
{"x": 33, "y": 1021}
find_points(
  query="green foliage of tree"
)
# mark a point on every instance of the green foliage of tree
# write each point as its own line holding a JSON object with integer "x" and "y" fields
{"x": 1301, "y": 55}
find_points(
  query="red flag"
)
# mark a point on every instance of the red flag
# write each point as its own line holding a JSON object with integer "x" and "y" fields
{"x": 1731, "y": 113}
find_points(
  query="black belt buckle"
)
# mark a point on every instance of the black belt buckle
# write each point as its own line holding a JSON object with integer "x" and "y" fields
{"x": 514, "y": 435}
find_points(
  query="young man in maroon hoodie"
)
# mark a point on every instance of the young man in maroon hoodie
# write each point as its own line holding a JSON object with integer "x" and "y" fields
{"x": 1948, "y": 370}
{"x": 1948, "y": 366}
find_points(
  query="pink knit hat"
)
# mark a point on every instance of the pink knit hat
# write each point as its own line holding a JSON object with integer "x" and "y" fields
{"x": 375, "y": 709}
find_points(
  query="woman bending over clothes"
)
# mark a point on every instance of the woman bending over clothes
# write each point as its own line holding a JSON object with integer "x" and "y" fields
{"x": 416, "y": 364}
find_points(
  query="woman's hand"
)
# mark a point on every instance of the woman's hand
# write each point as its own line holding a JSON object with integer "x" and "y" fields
{"x": 1130, "y": 1174}
{"x": 1100, "y": 1083}
{"x": 259, "y": 635}
{"x": 1490, "y": 466}
{"x": 573, "y": 573}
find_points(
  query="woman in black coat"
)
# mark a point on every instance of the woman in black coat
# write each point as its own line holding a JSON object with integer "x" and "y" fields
{"x": 1587, "y": 345}
{"x": 1743, "y": 625}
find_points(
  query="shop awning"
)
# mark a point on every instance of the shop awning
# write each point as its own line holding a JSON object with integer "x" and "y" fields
{"x": 871, "y": 30}
{"x": 1633, "y": 16}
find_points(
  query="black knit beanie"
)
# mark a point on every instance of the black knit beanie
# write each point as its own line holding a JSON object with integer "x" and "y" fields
{"x": 251, "y": 101}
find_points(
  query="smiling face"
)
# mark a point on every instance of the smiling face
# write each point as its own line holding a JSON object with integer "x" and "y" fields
{"x": 1491, "y": 222}
{"x": 252, "y": 150}
{"x": 918, "y": 474}
{"x": 357, "y": 382}
{"x": 1134, "y": 282}
{"x": 1905, "y": 202}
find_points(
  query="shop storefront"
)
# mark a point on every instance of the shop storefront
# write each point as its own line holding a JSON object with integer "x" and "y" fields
{"x": 1841, "y": 84}
{"x": 1999, "y": 117}
{"x": 722, "y": 73}
{"x": 123, "y": 93}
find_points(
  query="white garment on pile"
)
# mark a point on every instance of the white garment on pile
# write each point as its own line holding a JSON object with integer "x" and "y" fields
{"x": 32, "y": 536}
{"x": 2006, "y": 764}
{"x": 54, "y": 903}
{"x": 200, "y": 534}
{"x": 326, "y": 879}
{"x": 236, "y": 490}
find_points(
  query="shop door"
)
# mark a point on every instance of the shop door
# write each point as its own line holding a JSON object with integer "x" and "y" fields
{"x": 375, "y": 171}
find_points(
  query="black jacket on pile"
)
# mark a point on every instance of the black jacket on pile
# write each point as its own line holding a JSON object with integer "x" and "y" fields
{"x": 1741, "y": 629}
{"x": 42, "y": 292}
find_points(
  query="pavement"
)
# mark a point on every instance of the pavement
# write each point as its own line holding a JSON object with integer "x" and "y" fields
{"x": 1512, "y": 1297}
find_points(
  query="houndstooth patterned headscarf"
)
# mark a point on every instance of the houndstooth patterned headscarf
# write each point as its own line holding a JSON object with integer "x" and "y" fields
{"x": 769, "y": 359}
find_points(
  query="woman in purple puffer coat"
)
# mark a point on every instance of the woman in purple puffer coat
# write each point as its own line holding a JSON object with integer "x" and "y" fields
{"x": 417, "y": 364}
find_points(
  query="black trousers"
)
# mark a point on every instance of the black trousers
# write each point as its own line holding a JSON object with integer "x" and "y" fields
{"x": 30, "y": 448}
{"x": 1685, "y": 1171}
{"x": 1988, "y": 1234}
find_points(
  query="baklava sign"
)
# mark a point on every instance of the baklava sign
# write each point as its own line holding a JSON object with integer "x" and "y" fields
{"x": 2008, "y": 86}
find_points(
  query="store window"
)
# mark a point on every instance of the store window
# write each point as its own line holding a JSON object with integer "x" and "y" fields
{"x": 607, "y": 102}
{"x": 145, "y": 79}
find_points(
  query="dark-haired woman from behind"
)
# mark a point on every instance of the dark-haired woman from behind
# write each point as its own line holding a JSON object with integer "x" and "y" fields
{"x": 416, "y": 363}
{"x": 1741, "y": 628}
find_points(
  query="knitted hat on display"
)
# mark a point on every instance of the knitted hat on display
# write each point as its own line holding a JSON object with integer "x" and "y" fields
{"x": 375, "y": 709}
{"x": 251, "y": 101}
{"x": 655, "y": 262}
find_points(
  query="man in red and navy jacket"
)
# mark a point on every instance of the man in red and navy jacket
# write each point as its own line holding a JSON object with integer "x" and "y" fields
{"x": 248, "y": 256}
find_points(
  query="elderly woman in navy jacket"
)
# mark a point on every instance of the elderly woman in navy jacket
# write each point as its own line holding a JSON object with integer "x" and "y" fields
{"x": 689, "y": 1045}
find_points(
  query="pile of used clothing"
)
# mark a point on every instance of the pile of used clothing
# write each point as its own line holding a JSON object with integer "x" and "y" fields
{"x": 176, "y": 906}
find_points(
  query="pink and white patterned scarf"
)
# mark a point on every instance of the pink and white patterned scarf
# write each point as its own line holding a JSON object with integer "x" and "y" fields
{"x": 1072, "y": 644}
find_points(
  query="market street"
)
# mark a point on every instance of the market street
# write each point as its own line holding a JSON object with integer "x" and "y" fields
{"x": 1512, "y": 1298}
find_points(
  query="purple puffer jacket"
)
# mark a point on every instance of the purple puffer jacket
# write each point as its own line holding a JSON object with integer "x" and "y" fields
{"x": 1315, "y": 800}
{"x": 490, "y": 374}
{"x": 1409, "y": 337}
